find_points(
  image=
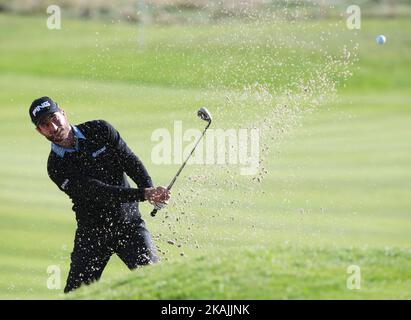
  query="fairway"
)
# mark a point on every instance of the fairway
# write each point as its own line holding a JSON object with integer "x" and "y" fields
{"x": 334, "y": 193}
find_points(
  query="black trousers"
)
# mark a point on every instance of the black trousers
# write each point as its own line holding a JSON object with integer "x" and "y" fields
{"x": 94, "y": 245}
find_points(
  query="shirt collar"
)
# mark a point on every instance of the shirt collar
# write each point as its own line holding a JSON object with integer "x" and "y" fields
{"x": 60, "y": 151}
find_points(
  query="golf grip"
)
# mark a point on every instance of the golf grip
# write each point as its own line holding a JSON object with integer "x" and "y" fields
{"x": 154, "y": 211}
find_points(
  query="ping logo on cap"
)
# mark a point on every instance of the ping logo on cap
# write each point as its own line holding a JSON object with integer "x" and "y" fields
{"x": 45, "y": 104}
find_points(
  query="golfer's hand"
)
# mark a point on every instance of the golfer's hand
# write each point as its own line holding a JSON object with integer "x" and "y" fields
{"x": 157, "y": 195}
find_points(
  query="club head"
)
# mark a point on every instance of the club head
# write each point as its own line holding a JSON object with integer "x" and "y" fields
{"x": 204, "y": 114}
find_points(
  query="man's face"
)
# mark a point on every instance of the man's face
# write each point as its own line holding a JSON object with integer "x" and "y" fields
{"x": 55, "y": 127}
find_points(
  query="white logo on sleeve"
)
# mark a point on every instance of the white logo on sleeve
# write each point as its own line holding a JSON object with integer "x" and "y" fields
{"x": 64, "y": 184}
{"x": 95, "y": 154}
{"x": 45, "y": 104}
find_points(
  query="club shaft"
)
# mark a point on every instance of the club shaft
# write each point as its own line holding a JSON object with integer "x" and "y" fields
{"x": 154, "y": 212}
{"x": 188, "y": 157}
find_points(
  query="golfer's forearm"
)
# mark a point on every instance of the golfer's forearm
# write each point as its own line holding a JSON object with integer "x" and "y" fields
{"x": 135, "y": 169}
{"x": 97, "y": 190}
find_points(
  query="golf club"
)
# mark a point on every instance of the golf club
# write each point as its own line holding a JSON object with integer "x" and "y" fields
{"x": 205, "y": 115}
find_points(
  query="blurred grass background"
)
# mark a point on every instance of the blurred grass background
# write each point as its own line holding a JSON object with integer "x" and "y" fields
{"x": 167, "y": 12}
{"x": 337, "y": 189}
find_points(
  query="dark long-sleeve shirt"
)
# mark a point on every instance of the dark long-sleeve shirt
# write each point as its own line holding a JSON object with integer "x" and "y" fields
{"x": 93, "y": 174}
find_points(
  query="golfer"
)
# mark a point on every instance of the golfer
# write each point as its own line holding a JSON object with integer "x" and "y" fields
{"x": 89, "y": 163}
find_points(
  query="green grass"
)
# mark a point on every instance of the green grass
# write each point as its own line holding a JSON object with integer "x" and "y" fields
{"x": 336, "y": 192}
{"x": 197, "y": 56}
{"x": 266, "y": 273}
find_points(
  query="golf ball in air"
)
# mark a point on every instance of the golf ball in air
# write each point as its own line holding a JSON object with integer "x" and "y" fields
{"x": 380, "y": 39}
